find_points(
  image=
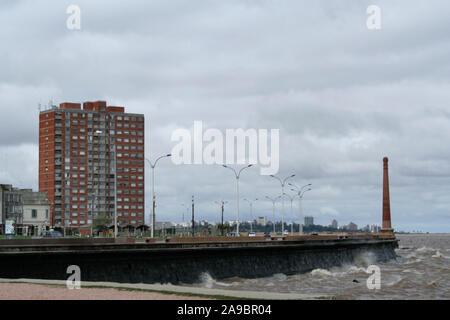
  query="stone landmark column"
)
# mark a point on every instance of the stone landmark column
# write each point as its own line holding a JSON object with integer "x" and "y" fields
{"x": 386, "y": 228}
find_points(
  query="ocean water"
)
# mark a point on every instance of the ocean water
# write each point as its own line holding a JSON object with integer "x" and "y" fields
{"x": 420, "y": 271}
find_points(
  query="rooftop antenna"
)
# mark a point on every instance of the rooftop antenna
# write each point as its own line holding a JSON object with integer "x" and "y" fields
{"x": 50, "y": 103}
{"x": 39, "y": 106}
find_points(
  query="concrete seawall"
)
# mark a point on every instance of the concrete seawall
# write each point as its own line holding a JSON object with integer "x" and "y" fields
{"x": 184, "y": 262}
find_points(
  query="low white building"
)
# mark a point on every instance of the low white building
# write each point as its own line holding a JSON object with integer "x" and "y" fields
{"x": 36, "y": 213}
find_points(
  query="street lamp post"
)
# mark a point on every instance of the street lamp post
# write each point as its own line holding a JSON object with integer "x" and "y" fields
{"x": 115, "y": 192}
{"x": 291, "y": 198}
{"x": 193, "y": 221}
{"x": 222, "y": 203}
{"x": 282, "y": 182}
{"x": 187, "y": 212}
{"x": 300, "y": 193}
{"x": 152, "y": 166}
{"x": 251, "y": 212}
{"x": 237, "y": 175}
{"x": 273, "y": 209}
{"x": 92, "y": 214}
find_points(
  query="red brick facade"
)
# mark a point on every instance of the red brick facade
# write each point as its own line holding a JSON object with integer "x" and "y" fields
{"x": 79, "y": 149}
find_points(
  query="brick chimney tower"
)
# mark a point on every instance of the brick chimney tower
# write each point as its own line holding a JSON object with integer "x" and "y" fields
{"x": 386, "y": 228}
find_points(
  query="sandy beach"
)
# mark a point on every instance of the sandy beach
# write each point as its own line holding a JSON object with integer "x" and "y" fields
{"x": 25, "y": 291}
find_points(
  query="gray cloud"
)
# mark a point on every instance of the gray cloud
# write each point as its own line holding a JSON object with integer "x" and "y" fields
{"x": 342, "y": 96}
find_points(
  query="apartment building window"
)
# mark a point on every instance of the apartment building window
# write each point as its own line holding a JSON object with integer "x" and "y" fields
{"x": 33, "y": 213}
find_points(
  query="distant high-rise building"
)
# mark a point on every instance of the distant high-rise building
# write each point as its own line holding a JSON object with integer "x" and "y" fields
{"x": 334, "y": 224}
{"x": 79, "y": 152}
{"x": 261, "y": 221}
{"x": 352, "y": 226}
{"x": 309, "y": 221}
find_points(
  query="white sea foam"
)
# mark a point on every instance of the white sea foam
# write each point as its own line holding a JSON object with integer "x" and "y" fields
{"x": 321, "y": 273}
{"x": 365, "y": 259}
{"x": 397, "y": 280}
{"x": 206, "y": 280}
{"x": 411, "y": 255}
{"x": 438, "y": 254}
{"x": 413, "y": 261}
{"x": 355, "y": 269}
{"x": 425, "y": 249}
{"x": 279, "y": 277}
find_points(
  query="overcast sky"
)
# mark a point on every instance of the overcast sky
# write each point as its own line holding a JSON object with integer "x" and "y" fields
{"x": 342, "y": 96}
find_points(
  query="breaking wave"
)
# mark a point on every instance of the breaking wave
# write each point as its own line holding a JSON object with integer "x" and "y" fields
{"x": 207, "y": 281}
{"x": 425, "y": 249}
{"x": 397, "y": 280}
{"x": 321, "y": 273}
{"x": 365, "y": 259}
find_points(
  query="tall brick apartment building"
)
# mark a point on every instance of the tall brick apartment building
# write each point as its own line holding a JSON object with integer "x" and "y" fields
{"x": 79, "y": 149}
